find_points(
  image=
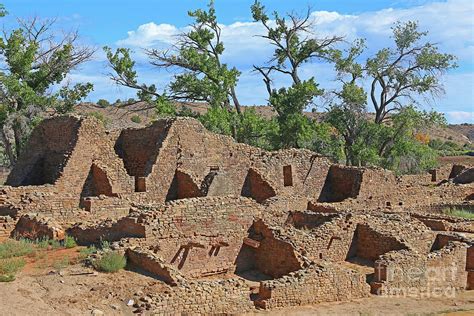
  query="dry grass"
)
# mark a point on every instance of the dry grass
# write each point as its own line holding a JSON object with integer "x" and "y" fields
{"x": 9, "y": 267}
{"x": 15, "y": 248}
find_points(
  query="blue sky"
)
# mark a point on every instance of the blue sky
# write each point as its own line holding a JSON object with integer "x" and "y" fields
{"x": 139, "y": 23}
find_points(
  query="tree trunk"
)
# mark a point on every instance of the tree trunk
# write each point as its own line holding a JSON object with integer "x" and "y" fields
{"x": 17, "y": 134}
{"x": 235, "y": 100}
{"x": 8, "y": 148}
{"x": 379, "y": 115}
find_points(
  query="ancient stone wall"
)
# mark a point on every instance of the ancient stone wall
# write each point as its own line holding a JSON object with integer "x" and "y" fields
{"x": 139, "y": 148}
{"x": 272, "y": 256}
{"x": 199, "y": 237}
{"x": 109, "y": 230}
{"x": 47, "y": 153}
{"x": 399, "y": 272}
{"x": 38, "y": 228}
{"x": 7, "y": 224}
{"x": 317, "y": 284}
{"x": 342, "y": 236}
{"x": 341, "y": 183}
{"x": 371, "y": 243}
{"x": 229, "y": 296}
{"x": 201, "y": 153}
{"x": 149, "y": 262}
{"x": 88, "y": 167}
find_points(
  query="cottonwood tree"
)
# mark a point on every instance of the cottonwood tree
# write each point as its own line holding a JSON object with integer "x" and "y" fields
{"x": 196, "y": 58}
{"x": 348, "y": 112}
{"x": 295, "y": 45}
{"x": 198, "y": 54}
{"x": 401, "y": 74}
{"x": 124, "y": 74}
{"x": 397, "y": 77}
{"x": 35, "y": 59}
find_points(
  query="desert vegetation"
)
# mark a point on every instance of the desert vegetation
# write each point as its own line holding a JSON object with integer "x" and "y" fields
{"x": 15, "y": 254}
{"x": 338, "y": 194}
{"x": 459, "y": 213}
{"x": 372, "y": 119}
{"x": 347, "y": 131}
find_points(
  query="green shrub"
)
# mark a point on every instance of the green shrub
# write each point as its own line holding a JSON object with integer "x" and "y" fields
{"x": 136, "y": 119}
{"x": 7, "y": 278}
{"x": 103, "y": 103}
{"x": 9, "y": 267}
{"x": 110, "y": 262}
{"x": 55, "y": 244}
{"x": 69, "y": 242}
{"x": 46, "y": 243}
{"x": 100, "y": 116}
{"x": 459, "y": 213}
{"x": 88, "y": 251}
{"x": 15, "y": 248}
{"x": 104, "y": 245}
{"x": 42, "y": 243}
{"x": 62, "y": 263}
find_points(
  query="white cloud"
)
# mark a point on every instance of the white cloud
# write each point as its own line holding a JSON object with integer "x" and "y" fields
{"x": 457, "y": 117}
{"x": 149, "y": 34}
{"x": 450, "y": 24}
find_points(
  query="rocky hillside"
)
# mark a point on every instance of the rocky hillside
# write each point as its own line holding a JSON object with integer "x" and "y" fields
{"x": 141, "y": 114}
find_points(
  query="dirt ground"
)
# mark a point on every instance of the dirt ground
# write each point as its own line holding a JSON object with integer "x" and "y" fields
{"x": 76, "y": 290}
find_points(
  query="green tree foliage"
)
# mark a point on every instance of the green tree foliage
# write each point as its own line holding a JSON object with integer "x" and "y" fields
{"x": 448, "y": 147}
{"x": 198, "y": 56}
{"x": 348, "y": 114}
{"x": 124, "y": 74}
{"x": 35, "y": 60}
{"x": 252, "y": 128}
{"x": 410, "y": 69}
{"x": 392, "y": 146}
{"x": 400, "y": 149}
{"x": 397, "y": 76}
{"x": 294, "y": 47}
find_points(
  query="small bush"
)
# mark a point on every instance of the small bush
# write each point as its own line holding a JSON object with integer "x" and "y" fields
{"x": 69, "y": 242}
{"x": 105, "y": 245}
{"x": 47, "y": 243}
{"x": 136, "y": 119}
{"x": 62, "y": 263}
{"x": 9, "y": 267}
{"x": 86, "y": 252}
{"x": 100, "y": 117}
{"x": 103, "y": 103}
{"x": 110, "y": 262}
{"x": 15, "y": 248}
{"x": 7, "y": 278}
{"x": 42, "y": 243}
{"x": 55, "y": 244}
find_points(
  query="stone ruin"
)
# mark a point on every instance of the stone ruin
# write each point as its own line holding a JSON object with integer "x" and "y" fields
{"x": 229, "y": 227}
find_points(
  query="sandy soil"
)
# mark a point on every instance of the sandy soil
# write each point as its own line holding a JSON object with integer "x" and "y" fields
{"x": 461, "y": 305}
{"x": 76, "y": 290}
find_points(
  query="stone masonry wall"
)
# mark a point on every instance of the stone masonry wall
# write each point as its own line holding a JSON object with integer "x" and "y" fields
{"x": 7, "y": 224}
{"x": 316, "y": 284}
{"x": 199, "y": 236}
{"x": 217, "y": 297}
{"x": 399, "y": 272}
